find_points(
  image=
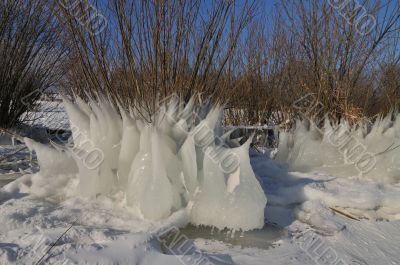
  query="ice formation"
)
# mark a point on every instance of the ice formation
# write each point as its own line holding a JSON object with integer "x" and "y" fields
{"x": 176, "y": 161}
{"x": 362, "y": 150}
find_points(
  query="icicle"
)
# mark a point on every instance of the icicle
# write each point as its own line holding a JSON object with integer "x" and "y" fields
{"x": 129, "y": 148}
{"x": 163, "y": 166}
{"x": 346, "y": 150}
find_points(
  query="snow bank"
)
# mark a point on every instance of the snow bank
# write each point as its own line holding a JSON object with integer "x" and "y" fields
{"x": 354, "y": 151}
{"x": 177, "y": 161}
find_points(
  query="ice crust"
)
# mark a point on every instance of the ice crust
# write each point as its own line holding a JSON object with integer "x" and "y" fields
{"x": 363, "y": 150}
{"x": 172, "y": 163}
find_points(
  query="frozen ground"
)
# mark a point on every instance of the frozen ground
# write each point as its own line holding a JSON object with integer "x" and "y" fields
{"x": 300, "y": 226}
{"x": 311, "y": 218}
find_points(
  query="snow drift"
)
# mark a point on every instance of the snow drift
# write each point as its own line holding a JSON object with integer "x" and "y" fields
{"x": 176, "y": 161}
{"x": 363, "y": 150}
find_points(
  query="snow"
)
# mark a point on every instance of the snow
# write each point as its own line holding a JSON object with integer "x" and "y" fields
{"x": 48, "y": 114}
{"x": 361, "y": 243}
{"x": 320, "y": 210}
{"x": 107, "y": 231}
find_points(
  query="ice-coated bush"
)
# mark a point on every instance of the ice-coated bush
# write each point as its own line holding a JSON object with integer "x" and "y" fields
{"x": 175, "y": 161}
{"x": 363, "y": 150}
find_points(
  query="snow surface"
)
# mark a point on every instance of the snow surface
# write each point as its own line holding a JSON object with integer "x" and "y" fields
{"x": 48, "y": 114}
{"x": 106, "y": 231}
{"x": 312, "y": 217}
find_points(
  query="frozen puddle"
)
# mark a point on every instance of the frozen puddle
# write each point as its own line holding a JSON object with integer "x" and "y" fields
{"x": 261, "y": 238}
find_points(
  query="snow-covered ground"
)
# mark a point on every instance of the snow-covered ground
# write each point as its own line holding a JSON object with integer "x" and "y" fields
{"x": 300, "y": 227}
{"x": 311, "y": 218}
{"x": 49, "y": 114}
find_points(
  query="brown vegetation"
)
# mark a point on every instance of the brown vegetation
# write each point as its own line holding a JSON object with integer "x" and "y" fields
{"x": 256, "y": 60}
{"x": 30, "y": 56}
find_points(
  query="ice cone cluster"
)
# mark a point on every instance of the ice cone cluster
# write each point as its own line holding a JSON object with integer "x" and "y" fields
{"x": 172, "y": 160}
{"x": 363, "y": 150}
